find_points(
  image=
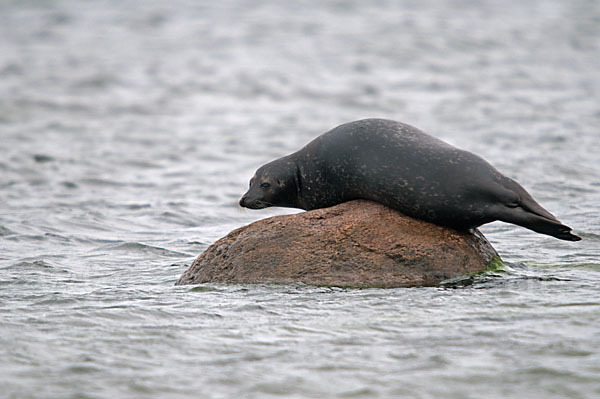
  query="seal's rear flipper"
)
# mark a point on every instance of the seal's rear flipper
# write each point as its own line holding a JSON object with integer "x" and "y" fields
{"x": 537, "y": 223}
{"x": 557, "y": 230}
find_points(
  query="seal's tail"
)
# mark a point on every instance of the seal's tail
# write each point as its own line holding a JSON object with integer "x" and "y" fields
{"x": 538, "y": 223}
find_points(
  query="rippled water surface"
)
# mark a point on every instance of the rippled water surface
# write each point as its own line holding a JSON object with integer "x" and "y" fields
{"x": 129, "y": 130}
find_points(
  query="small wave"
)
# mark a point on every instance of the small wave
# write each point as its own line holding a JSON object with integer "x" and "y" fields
{"x": 36, "y": 264}
{"x": 102, "y": 182}
{"x": 589, "y": 236}
{"x": 36, "y": 237}
{"x": 130, "y": 206}
{"x": 181, "y": 219}
{"x": 83, "y": 369}
{"x": 137, "y": 247}
{"x": 5, "y": 231}
{"x": 43, "y": 158}
{"x": 68, "y": 184}
{"x": 577, "y": 263}
{"x": 585, "y": 266}
{"x": 143, "y": 164}
{"x": 52, "y": 301}
{"x": 95, "y": 82}
{"x": 203, "y": 288}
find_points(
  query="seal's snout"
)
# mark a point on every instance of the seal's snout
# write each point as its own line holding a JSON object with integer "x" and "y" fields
{"x": 252, "y": 203}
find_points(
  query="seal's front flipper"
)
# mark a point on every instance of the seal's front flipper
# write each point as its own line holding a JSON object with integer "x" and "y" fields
{"x": 537, "y": 223}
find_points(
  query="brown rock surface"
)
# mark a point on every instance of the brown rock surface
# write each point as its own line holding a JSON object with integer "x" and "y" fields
{"x": 357, "y": 243}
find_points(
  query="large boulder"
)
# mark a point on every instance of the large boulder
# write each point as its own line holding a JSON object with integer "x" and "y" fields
{"x": 354, "y": 244}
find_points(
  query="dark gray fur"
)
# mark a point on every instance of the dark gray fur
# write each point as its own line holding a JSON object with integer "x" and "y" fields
{"x": 399, "y": 166}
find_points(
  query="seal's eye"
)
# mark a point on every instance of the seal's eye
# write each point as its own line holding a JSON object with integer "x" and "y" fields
{"x": 265, "y": 185}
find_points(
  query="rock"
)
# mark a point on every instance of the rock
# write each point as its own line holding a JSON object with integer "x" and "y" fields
{"x": 354, "y": 244}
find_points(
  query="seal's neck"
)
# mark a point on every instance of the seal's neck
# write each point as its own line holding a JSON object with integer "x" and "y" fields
{"x": 298, "y": 183}
{"x": 292, "y": 182}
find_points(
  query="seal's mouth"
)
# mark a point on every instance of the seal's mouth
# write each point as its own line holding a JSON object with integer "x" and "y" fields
{"x": 256, "y": 204}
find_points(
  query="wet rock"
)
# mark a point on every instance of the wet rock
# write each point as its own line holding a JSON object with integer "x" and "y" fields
{"x": 356, "y": 244}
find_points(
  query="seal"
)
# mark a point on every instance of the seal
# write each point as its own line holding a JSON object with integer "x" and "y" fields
{"x": 403, "y": 168}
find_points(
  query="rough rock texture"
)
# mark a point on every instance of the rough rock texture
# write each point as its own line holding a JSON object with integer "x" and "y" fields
{"x": 357, "y": 243}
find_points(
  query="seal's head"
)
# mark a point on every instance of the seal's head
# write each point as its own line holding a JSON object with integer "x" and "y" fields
{"x": 273, "y": 184}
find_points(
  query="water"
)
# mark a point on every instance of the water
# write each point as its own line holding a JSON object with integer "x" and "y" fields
{"x": 129, "y": 131}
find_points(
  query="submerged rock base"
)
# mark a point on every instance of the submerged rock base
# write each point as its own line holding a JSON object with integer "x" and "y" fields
{"x": 354, "y": 244}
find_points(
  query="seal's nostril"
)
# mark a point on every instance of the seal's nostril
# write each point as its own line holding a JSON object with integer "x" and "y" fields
{"x": 243, "y": 200}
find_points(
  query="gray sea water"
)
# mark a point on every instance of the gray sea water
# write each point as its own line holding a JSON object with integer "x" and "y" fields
{"x": 129, "y": 130}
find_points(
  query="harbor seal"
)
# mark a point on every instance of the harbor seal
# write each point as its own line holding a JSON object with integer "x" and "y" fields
{"x": 403, "y": 168}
